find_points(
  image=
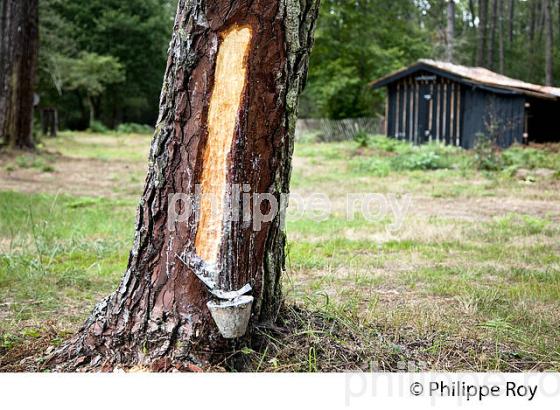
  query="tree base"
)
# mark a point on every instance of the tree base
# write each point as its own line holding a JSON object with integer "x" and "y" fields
{"x": 169, "y": 345}
{"x": 158, "y": 318}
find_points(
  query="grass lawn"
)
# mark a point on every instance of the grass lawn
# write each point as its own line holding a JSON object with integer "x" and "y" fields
{"x": 469, "y": 281}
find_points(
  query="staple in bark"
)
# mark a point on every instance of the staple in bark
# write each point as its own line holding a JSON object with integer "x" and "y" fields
{"x": 233, "y": 67}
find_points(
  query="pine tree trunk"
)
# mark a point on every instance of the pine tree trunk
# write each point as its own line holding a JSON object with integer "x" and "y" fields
{"x": 450, "y": 33}
{"x": 533, "y": 16}
{"x": 532, "y": 21}
{"x": 492, "y": 34}
{"x": 501, "y": 41}
{"x": 19, "y": 40}
{"x": 511, "y": 21}
{"x": 472, "y": 11}
{"x": 227, "y": 116}
{"x": 482, "y": 31}
{"x": 91, "y": 108}
{"x": 549, "y": 42}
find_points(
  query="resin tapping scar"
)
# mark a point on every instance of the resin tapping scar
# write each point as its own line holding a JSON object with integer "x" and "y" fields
{"x": 230, "y": 79}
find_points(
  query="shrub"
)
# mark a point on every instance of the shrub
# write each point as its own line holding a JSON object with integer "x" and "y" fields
{"x": 486, "y": 154}
{"x": 362, "y": 139}
{"x": 133, "y": 128}
{"x": 389, "y": 144}
{"x": 402, "y": 156}
{"x": 371, "y": 166}
{"x": 33, "y": 161}
{"x": 531, "y": 158}
{"x": 98, "y": 127}
{"x": 426, "y": 157}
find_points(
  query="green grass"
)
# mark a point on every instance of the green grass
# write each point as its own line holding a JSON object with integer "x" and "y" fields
{"x": 465, "y": 284}
{"x": 107, "y": 147}
{"x": 57, "y": 249}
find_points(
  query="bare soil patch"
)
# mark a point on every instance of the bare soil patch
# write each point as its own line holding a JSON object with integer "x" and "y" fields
{"x": 75, "y": 176}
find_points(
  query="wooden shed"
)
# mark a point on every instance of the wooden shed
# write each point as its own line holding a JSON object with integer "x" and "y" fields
{"x": 439, "y": 101}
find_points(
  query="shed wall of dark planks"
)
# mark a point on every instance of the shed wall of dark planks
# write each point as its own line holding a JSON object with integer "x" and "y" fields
{"x": 425, "y": 107}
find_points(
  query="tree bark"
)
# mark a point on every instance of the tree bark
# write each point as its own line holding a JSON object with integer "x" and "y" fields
{"x": 450, "y": 33}
{"x": 91, "y": 108}
{"x": 472, "y": 11}
{"x": 492, "y": 34}
{"x": 511, "y": 21}
{"x": 531, "y": 43}
{"x": 482, "y": 31}
{"x": 532, "y": 21}
{"x": 549, "y": 42}
{"x": 19, "y": 40}
{"x": 232, "y": 67}
{"x": 501, "y": 41}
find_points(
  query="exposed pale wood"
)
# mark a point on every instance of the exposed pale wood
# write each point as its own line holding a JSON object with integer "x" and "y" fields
{"x": 229, "y": 82}
{"x": 416, "y": 103}
{"x": 438, "y": 112}
{"x": 458, "y": 117}
{"x": 452, "y": 115}
{"x": 397, "y": 111}
{"x": 444, "y": 114}
{"x": 410, "y": 132}
{"x": 431, "y": 108}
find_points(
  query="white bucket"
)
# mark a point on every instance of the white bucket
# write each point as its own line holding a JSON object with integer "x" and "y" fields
{"x": 232, "y": 317}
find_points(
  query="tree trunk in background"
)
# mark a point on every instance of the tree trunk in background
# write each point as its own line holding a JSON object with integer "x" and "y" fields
{"x": 450, "y": 33}
{"x": 533, "y": 21}
{"x": 472, "y": 11}
{"x": 541, "y": 22}
{"x": 549, "y": 42}
{"x": 227, "y": 116}
{"x": 482, "y": 31}
{"x": 91, "y": 108}
{"x": 19, "y": 41}
{"x": 501, "y": 34}
{"x": 493, "y": 20}
{"x": 532, "y": 34}
{"x": 473, "y": 27}
{"x": 511, "y": 21}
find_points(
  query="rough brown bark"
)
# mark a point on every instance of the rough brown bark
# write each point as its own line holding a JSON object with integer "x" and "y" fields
{"x": 549, "y": 42}
{"x": 49, "y": 122}
{"x": 501, "y": 34}
{"x": 159, "y": 314}
{"x": 511, "y": 20}
{"x": 533, "y": 24}
{"x": 482, "y": 31}
{"x": 532, "y": 21}
{"x": 493, "y": 20}
{"x": 450, "y": 32}
{"x": 19, "y": 39}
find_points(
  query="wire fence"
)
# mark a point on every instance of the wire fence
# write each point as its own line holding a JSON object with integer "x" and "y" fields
{"x": 326, "y": 130}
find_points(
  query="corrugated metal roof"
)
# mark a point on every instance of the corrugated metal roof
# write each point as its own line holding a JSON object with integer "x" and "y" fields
{"x": 482, "y": 76}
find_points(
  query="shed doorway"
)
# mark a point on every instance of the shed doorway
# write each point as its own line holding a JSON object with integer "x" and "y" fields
{"x": 424, "y": 112}
{"x": 542, "y": 124}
